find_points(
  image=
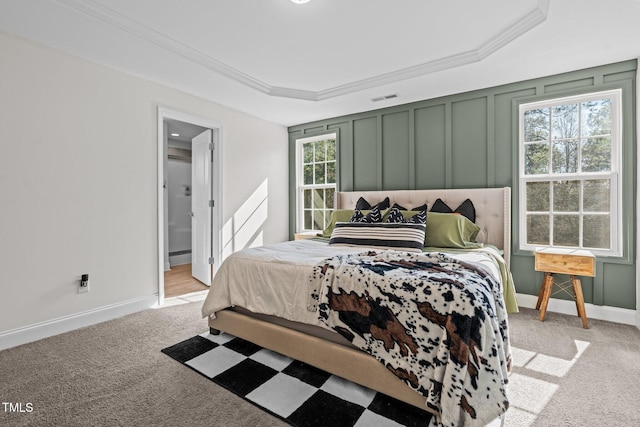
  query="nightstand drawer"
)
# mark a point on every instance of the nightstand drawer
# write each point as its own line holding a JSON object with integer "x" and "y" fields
{"x": 566, "y": 263}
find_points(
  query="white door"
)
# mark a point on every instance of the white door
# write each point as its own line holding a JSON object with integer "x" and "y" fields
{"x": 201, "y": 218}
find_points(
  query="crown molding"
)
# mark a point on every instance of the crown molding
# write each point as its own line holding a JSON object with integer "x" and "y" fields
{"x": 286, "y": 92}
{"x": 109, "y": 16}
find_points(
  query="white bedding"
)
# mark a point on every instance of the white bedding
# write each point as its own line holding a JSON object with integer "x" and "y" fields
{"x": 274, "y": 279}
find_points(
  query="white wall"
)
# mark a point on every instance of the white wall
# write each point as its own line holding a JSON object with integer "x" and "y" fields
{"x": 78, "y": 183}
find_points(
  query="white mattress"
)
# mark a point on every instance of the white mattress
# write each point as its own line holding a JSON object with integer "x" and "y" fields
{"x": 274, "y": 279}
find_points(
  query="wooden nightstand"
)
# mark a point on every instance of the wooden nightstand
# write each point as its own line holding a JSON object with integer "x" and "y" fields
{"x": 573, "y": 262}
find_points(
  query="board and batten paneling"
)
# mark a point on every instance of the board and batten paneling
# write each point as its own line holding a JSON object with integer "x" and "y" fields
{"x": 396, "y": 157}
{"x": 470, "y": 143}
{"x": 430, "y": 147}
{"x": 471, "y": 140}
{"x": 366, "y": 156}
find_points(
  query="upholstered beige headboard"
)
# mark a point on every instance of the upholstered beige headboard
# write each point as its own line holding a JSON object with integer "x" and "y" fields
{"x": 493, "y": 208}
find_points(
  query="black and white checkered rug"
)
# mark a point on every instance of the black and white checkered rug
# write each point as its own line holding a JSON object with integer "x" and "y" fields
{"x": 294, "y": 391}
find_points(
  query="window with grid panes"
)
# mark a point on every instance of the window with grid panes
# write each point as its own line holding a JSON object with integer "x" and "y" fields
{"x": 316, "y": 181}
{"x": 570, "y": 156}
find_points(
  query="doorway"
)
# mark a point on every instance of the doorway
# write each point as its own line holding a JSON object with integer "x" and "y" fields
{"x": 189, "y": 182}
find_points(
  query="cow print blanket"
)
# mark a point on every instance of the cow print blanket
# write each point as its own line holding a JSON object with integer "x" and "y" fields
{"x": 437, "y": 323}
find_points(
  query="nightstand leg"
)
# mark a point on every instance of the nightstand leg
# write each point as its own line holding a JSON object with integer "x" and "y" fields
{"x": 545, "y": 292}
{"x": 577, "y": 290}
{"x": 544, "y": 280}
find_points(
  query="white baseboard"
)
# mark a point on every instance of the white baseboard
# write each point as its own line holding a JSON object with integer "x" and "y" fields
{"x": 60, "y": 325}
{"x": 600, "y": 312}
{"x": 179, "y": 260}
{"x": 53, "y": 327}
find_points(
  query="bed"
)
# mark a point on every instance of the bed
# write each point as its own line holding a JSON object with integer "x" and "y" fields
{"x": 286, "y": 321}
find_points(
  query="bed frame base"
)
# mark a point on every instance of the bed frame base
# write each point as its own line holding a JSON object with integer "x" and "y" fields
{"x": 340, "y": 360}
{"x": 493, "y": 215}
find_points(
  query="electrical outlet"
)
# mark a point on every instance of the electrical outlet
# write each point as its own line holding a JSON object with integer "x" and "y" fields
{"x": 84, "y": 284}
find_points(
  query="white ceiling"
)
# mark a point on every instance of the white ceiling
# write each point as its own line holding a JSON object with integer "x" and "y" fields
{"x": 290, "y": 63}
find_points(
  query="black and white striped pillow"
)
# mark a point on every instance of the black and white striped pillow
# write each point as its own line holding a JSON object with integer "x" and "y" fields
{"x": 385, "y": 235}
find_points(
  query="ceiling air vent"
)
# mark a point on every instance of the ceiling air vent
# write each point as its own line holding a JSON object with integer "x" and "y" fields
{"x": 385, "y": 97}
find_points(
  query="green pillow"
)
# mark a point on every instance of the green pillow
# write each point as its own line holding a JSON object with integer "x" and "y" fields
{"x": 342, "y": 215}
{"x": 450, "y": 230}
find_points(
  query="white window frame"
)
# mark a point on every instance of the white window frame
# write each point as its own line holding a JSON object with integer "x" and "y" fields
{"x": 300, "y": 186}
{"x": 616, "y": 224}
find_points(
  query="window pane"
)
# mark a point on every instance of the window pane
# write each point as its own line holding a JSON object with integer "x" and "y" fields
{"x": 596, "y": 117}
{"x": 320, "y": 174}
{"x": 307, "y": 220}
{"x": 566, "y": 230}
{"x": 536, "y": 125}
{"x": 331, "y": 173}
{"x": 331, "y": 150}
{"x": 597, "y": 195}
{"x": 565, "y": 156}
{"x": 564, "y": 121}
{"x": 596, "y": 231}
{"x": 327, "y": 219}
{"x": 307, "y": 153}
{"x": 318, "y": 220}
{"x": 307, "y": 199}
{"x": 318, "y": 198}
{"x": 314, "y": 203}
{"x": 308, "y": 174}
{"x": 566, "y": 196}
{"x": 536, "y": 159}
{"x": 538, "y": 229}
{"x": 319, "y": 154}
{"x": 538, "y": 196}
{"x": 596, "y": 154}
{"x": 330, "y": 197}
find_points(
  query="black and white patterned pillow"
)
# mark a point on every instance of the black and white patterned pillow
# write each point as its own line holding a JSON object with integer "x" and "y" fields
{"x": 385, "y": 235}
{"x": 357, "y": 216}
{"x": 374, "y": 216}
{"x": 419, "y": 218}
{"x": 395, "y": 216}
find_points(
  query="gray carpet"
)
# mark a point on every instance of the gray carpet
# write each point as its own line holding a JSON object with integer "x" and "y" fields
{"x": 113, "y": 374}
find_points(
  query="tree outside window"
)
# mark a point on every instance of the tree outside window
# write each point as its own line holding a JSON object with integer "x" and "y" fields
{"x": 569, "y": 172}
{"x": 316, "y": 165}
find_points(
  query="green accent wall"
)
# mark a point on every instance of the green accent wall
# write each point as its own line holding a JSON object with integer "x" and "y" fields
{"x": 470, "y": 140}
